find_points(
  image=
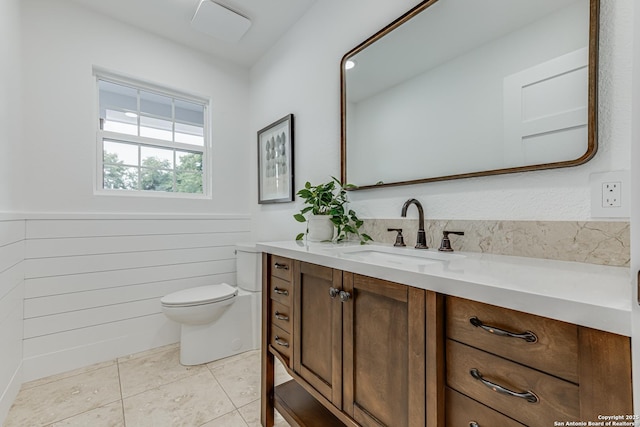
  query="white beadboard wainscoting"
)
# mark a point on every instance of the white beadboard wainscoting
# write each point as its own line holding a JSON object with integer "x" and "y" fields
{"x": 93, "y": 284}
{"x": 12, "y": 233}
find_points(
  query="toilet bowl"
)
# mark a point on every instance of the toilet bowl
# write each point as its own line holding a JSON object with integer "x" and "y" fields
{"x": 219, "y": 320}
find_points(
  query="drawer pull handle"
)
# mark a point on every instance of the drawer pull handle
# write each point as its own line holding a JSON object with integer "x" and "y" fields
{"x": 279, "y": 266}
{"x": 281, "y": 316}
{"x": 473, "y": 424}
{"x": 281, "y": 342}
{"x": 528, "y": 336}
{"x": 333, "y": 292}
{"x": 281, "y": 291}
{"x": 527, "y": 395}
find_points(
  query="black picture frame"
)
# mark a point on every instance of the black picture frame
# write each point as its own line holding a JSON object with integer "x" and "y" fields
{"x": 275, "y": 162}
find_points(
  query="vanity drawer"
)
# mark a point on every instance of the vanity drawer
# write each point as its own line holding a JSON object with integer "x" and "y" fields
{"x": 555, "y": 399}
{"x": 281, "y": 316}
{"x": 280, "y": 291}
{"x": 281, "y": 267}
{"x": 554, "y": 351}
{"x": 281, "y": 341}
{"x": 461, "y": 411}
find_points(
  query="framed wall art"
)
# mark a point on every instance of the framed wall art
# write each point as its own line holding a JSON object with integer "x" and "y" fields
{"x": 275, "y": 162}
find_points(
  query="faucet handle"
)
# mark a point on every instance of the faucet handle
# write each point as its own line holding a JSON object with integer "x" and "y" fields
{"x": 445, "y": 245}
{"x": 399, "y": 237}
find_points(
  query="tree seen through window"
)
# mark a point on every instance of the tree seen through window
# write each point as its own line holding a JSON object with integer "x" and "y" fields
{"x": 155, "y": 174}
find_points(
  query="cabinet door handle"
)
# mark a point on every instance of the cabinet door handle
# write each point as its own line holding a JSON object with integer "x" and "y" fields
{"x": 279, "y": 266}
{"x": 344, "y": 296}
{"x": 281, "y": 291}
{"x": 528, "y": 336}
{"x": 333, "y": 292}
{"x": 529, "y": 396}
{"x": 281, "y": 316}
{"x": 281, "y": 342}
{"x": 473, "y": 424}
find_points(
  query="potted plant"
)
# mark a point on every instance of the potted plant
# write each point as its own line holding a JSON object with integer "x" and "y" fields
{"x": 327, "y": 211}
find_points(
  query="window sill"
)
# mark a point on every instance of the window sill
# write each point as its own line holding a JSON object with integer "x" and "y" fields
{"x": 153, "y": 194}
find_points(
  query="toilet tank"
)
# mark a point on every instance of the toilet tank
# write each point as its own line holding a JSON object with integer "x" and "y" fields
{"x": 248, "y": 267}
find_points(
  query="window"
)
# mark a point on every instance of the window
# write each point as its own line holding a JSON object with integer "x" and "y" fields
{"x": 151, "y": 141}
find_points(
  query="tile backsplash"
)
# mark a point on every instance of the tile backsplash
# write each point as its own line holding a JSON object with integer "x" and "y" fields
{"x": 594, "y": 242}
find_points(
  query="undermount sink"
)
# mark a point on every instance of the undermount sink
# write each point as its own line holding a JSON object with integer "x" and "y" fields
{"x": 395, "y": 256}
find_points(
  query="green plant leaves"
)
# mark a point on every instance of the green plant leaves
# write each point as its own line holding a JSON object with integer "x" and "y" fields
{"x": 304, "y": 193}
{"x": 330, "y": 199}
{"x": 364, "y": 238}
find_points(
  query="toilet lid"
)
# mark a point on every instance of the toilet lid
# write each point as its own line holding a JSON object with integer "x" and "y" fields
{"x": 200, "y": 295}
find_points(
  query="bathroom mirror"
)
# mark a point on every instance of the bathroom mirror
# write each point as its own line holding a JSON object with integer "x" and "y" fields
{"x": 465, "y": 88}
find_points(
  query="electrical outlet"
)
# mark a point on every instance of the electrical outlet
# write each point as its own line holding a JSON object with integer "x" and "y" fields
{"x": 610, "y": 197}
{"x": 612, "y": 194}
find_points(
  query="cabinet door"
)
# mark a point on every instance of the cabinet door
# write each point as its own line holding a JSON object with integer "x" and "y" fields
{"x": 384, "y": 352}
{"x": 317, "y": 348}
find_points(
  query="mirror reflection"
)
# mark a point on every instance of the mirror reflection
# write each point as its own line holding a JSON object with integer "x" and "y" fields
{"x": 468, "y": 88}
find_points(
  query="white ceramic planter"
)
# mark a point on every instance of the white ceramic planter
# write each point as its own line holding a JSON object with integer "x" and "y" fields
{"x": 320, "y": 228}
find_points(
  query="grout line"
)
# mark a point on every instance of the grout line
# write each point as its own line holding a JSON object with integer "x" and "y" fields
{"x": 155, "y": 387}
{"x": 235, "y": 408}
{"x": 63, "y": 376}
{"x": 124, "y": 420}
{"x": 78, "y": 414}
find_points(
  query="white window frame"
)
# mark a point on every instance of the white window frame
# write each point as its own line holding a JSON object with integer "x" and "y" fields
{"x": 102, "y": 135}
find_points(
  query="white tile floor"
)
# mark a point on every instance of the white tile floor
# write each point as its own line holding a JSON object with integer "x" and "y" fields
{"x": 147, "y": 389}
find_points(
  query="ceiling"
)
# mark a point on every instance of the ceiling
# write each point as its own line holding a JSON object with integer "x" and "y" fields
{"x": 171, "y": 19}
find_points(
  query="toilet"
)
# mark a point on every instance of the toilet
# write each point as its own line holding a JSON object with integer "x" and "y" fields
{"x": 219, "y": 320}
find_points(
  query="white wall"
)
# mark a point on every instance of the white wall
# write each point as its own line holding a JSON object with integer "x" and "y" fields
{"x": 11, "y": 231}
{"x": 10, "y": 107}
{"x": 61, "y": 44}
{"x": 12, "y": 234}
{"x": 301, "y": 75}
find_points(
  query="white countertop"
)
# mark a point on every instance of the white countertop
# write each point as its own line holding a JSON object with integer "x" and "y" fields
{"x": 590, "y": 295}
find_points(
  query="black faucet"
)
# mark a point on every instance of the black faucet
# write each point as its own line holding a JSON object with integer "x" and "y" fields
{"x": 421, "y": 241}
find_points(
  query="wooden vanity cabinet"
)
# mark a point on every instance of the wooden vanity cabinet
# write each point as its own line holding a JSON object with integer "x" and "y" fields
{"x": 317, "y": 347}
{"x": 367, "y": 352}
{"x": 384, "y": 352}
{"x": 358, "y": 351}
{"x": 556, "y": 371}
{"x": 281, "y": 310}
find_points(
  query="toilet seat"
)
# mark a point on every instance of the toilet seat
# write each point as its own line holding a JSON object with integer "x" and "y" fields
{"x": 200, "y": 296}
